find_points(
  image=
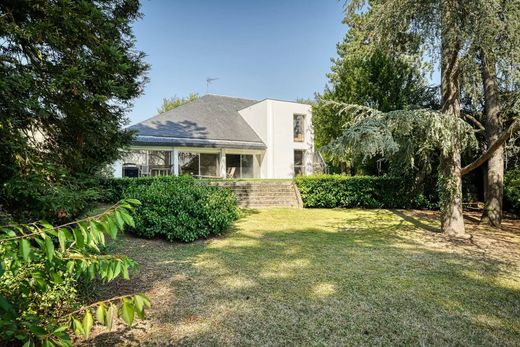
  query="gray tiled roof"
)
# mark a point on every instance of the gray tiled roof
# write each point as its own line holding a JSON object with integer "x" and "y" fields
{"x": 210, "y": 121}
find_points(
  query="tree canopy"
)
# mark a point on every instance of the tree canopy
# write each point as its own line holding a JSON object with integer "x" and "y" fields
{"x": 69, "y": 71}
{"x": 175, "y": 101}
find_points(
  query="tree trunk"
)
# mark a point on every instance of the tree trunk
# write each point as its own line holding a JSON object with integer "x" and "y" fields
{"x": 452, "y": 219}
{"x": 494, "y": 180}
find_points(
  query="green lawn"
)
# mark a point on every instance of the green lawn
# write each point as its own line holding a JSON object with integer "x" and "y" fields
{"x": 328, "y": 277}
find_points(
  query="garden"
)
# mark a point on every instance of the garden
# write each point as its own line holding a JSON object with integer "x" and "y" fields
{"x": 411, "y": 237}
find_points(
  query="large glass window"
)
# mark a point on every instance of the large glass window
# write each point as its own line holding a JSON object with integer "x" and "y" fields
{"x": 247, "y": 166}
{"x": 198, "y": 164}
{"x": 188, "y": 163}
{"x": 299, "y": 127}
{"x": 240, "y": 166}
{"x": 299, "y": 160}
{"x": 209, "y": 164}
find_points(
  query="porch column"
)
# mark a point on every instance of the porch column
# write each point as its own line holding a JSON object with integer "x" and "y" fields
{"x": 175, "y": 155}
{"x": 222, "y": 163}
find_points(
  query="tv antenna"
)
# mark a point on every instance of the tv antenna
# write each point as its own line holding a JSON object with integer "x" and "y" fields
{"x": 210, "y": 80}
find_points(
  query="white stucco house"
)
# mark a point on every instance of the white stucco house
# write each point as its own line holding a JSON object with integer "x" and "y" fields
{"x": 224, "y": 137}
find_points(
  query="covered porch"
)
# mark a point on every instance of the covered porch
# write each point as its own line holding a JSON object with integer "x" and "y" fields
{"x": 193, "y": 161}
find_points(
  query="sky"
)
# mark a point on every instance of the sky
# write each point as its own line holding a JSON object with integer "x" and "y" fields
{"x": 257, "y": 49}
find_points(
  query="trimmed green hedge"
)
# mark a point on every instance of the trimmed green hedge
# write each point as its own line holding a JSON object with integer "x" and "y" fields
{"x": 175, "y": 208}
{"x": 512, "y": 190}
{"x": 329, "y": 191}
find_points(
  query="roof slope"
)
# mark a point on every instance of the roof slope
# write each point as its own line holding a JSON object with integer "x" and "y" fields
{"x": 211, "y": 120}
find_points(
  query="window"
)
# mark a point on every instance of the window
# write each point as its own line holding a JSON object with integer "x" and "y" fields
{"x": 239, "y": 166}
{"x": 198, "y": 164}
{"x": 298, "y": 127}
{"x": 299, "y": 162}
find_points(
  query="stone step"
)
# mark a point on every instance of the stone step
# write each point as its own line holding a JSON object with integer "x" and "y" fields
{"x": 263, "y": 194}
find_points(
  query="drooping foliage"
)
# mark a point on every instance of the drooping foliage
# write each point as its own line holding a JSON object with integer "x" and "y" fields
{"x": 69, "y": 71}
{"x": 372, "y": 77}
{"x": 408, "y": 138}
{"x": 41, "y": 267}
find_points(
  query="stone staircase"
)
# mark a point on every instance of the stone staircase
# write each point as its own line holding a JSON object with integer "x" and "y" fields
{"x": 264, "y": 194}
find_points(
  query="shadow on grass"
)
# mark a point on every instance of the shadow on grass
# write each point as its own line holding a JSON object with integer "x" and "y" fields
{"x": 415, "y": 221}
{"x": 359, "y": 283}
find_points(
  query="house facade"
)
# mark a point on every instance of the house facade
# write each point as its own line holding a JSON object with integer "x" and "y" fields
{"x": 224, "y": 137}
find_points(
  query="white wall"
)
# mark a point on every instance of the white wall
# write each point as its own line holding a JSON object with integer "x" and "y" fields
{"x": 272, "y": 120}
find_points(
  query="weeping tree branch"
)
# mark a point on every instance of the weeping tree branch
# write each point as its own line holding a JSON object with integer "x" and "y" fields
{"x": 515, "y": 126}
{"x": 474, "y": 121}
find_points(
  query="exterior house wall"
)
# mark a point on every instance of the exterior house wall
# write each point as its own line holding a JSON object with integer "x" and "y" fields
{"x": 272, "y": 120}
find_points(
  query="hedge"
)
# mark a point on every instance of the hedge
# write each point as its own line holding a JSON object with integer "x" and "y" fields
{"x": 176, "y": 208}
{"x": 330, "y": 191}
{"x": 512, "y": 190}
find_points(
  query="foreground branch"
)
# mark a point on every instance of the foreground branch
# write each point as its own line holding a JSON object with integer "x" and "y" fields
{"x": 515, "y": 126}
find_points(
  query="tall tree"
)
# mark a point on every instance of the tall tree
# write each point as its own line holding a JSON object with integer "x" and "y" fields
{"x": 375, "y": 78}
{"x": 443, "y": 28}
{"x": 496, "y": 51}
{"x": 69, "y": 71}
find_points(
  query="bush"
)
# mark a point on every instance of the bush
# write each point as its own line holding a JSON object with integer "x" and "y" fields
{"x": 180, "y": 208}
{"x": 36, "y": 196}
{"x": 512, "y": 190}
{"x": 329, "y": 191}
{"x": 114, "y": 188}
{"x": 41, "y": 267}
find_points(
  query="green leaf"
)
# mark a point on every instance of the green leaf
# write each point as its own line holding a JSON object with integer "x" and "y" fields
{"x": 28, "y": 343}
{"x": 133, "y": 202}
{"x": 119, "y": 220}
{"x": 78, "y": 237}
{"x": 78, "y": 327}
{"x": 111, "y": 228}
{"x": 125, "y": 272}
{"x": 127, "y": 312}
{"x": 127, "y": 218}
{"x": 47, "y": 343}
{"x": 62, "y": 238}
{"x": 111, "y": 312}
{"x": 101, "y": 314}
{"x": 25, "y": 249}
{"x": 139, "y": 306}
{"x": 88, "y": 323}
{"x": 49, "y": 248}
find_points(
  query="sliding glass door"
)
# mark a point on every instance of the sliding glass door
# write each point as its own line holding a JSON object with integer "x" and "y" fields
{"x": 240, "y": 166}
{"x": 199, "y": 164}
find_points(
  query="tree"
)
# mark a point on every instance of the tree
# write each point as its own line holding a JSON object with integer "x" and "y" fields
{"x": 443, "y": 27}
{"x": 494, "y": 80}
{"x": 69, "y": 71}
{"x": 175, "y": 101}
{"x": 374, "y": 78}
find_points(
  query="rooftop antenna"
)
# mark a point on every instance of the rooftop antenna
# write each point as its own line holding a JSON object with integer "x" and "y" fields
{"x": 208, "y": 81}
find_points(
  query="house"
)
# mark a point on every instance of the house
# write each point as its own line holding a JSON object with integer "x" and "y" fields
{"x": 225, "y": 137}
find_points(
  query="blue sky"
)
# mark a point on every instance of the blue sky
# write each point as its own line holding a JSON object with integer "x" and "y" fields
{"x": 257, "y": 49}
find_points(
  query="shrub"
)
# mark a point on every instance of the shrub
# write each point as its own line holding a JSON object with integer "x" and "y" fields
{"x": 114, "y": 188}
{"x": 180, "y": 208}
{"x": 49, "y": 194}
{"x": 329, "y": 191}
{"x": 40, "y": 269}
{"x": 512, "y": 189}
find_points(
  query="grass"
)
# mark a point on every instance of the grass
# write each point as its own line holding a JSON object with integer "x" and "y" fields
{"x": 327, "y": 277}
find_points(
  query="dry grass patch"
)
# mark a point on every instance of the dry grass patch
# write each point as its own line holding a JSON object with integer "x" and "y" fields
{"x": 328, "y": 277}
